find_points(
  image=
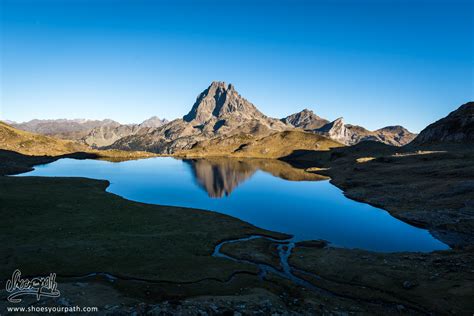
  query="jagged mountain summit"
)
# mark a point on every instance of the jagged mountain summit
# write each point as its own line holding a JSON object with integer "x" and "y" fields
{"x": 306, "y": 119}
{"x": 219, "y": 111}
{"x": 456, "y": 128}
{"x": 220, "y": 100}
{"x": 353, "y": 134}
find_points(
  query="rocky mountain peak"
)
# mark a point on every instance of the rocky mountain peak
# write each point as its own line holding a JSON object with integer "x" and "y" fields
{"x": 153, "y": 121}
{"x": 220, "y": 100}
{"x": 336, "y": 124}
{"x": 335, "y": 130}
{"x": 394, "y": 128}
{"x": 305, "y": 119}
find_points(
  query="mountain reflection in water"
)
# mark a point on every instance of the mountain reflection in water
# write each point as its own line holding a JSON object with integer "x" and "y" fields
{"x": 220, "y": 176}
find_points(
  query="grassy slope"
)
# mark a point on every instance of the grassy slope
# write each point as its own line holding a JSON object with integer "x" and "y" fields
{"x": 27, "y": 143}
{"x": 34, "y": 144}
{"x": 273, "y": 146}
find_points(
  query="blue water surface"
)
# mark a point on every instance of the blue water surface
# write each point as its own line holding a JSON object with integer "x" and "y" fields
{"x": 305, "y": 209}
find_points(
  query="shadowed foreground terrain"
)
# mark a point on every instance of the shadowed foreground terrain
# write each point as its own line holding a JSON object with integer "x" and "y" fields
{"x": 72, "y": 227}
{"x": 439, "y": 282}
{"x": 161, "y": 259}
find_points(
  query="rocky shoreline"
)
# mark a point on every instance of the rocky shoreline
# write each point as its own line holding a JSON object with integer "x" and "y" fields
{"x": 427, "y": 188}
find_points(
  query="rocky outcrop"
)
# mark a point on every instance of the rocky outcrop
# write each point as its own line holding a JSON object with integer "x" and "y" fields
{"x": 305, "y": 119}
{"x": 456, "y": 128}
{"x": 353, "y": 134}
{"x": 106, "y": 135}
{"x": 335, "y": 130}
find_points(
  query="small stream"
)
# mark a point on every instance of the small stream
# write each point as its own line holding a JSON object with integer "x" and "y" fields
{"x": 285, "y": 248}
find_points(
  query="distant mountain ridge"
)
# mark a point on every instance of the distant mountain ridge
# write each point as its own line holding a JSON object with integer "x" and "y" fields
{"x": 95, "y": 133}
{"x": 106, "y": 135}
{"x": 8, "y": 122}
{"x": 72, "y": 129}
{"x": 219, "y": 114}
{"x": 348, "y": 134}
{"x": 353, "y": 134}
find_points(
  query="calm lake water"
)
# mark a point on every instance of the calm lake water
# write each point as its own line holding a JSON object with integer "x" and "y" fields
{"x": 268, "y": 194}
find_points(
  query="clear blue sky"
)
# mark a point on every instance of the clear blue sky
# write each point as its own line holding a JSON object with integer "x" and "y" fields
{"x": 375, "y": 63}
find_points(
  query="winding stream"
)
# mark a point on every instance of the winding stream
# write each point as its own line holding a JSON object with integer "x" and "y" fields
{"x": 284, "y": 251}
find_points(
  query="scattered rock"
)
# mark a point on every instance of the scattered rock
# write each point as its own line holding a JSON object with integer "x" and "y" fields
{"x": 409, "y": 285}
{"x": 312, "y": 243}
